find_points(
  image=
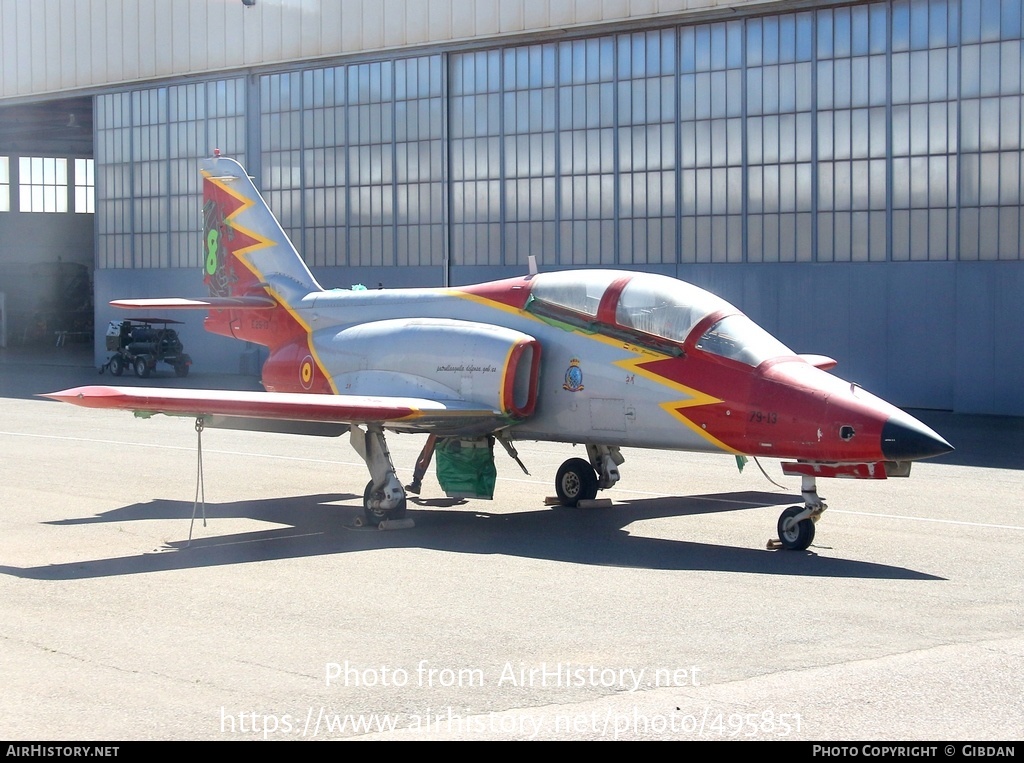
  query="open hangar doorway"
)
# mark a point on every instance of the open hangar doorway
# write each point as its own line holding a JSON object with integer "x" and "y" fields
{"x": 47, "y": 222}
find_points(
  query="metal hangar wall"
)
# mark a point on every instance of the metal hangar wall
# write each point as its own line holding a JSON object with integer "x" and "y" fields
{"x": 847, "y": 174}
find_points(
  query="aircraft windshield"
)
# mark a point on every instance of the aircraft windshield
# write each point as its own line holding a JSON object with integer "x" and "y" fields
{"x": 578, "y": 291}
{"x": 664, "y": 306}
{"x": 739, "y": 338}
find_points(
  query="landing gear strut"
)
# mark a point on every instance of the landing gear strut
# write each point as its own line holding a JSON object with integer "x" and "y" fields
{"x": 796, "y": 525}
{"x": 577, "y": 480}
{"x": 384, "y": 497}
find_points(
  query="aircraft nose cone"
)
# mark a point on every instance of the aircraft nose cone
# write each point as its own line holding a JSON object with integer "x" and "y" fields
{"x": 904, "y": 438}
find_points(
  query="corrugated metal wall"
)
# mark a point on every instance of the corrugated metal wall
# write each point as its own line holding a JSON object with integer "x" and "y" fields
{"x": 943, "y": 333}
{"x": 48, "y": 46}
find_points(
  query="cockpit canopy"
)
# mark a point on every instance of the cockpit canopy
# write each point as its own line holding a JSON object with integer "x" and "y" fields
{"x": 656, "y": 306}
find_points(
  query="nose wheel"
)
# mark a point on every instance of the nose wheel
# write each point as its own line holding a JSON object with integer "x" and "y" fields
{"x": 796, "y": 524}
{"x": 796, "y": 533}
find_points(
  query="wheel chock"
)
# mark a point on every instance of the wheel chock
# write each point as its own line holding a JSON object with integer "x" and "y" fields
{"x": 360, "y": 524}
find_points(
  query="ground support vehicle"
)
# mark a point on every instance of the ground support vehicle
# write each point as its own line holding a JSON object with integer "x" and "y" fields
{"x": 141, "y": 343}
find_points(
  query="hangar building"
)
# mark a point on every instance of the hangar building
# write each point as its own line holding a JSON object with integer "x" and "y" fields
{"x": 848, "y": 174}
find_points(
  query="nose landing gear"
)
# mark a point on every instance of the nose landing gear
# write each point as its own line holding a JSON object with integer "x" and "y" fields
{"x": 796, "y": 524}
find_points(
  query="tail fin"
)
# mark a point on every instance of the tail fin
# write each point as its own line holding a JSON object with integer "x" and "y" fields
{"x": 246, "y": 252}
{"x": 256, "y": 278}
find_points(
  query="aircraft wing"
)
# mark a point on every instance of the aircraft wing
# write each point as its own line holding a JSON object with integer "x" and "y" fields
{"x": 400, "y": 413}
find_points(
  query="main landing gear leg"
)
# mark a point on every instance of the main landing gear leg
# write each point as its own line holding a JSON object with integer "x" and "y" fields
{"x": 578, "y": 480}
{"x": 796, "y": 525}
{"x": 384, "y": 497}
{"x": 605, "y": 459}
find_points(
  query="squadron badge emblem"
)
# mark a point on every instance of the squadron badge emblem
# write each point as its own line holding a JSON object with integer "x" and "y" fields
{"x": 573, "y": 376}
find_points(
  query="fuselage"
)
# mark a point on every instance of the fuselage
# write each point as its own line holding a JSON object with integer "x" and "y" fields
{"x": 621, "y": 359}
{"x": 603, "y": 357}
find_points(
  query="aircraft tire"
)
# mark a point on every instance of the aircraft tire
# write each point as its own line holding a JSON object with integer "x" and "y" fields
{"x": 376, "y": 516}
{"x": 181, "y": 370}
{"x": 141, "y": 368}
{"x": 116, "y": 365}
{"x": 798, "y": 536}
{"x": 576, "y": 481}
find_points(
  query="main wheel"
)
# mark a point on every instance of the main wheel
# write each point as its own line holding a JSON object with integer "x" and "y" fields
{"x": 376, "y": 516}
{"x": 181, "y": 370}
{"x": 576, "y": 481}
{"x": 794, "y": 535}
{"x": 141, "y": 368}
{"x": 117, "y": 365}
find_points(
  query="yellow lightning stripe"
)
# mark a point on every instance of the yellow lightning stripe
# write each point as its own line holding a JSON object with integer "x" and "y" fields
{"x": 262, "y": 242}
{"x": 485, "y": 302}
{"x": 694, "y": 399}
{"x": 245, "y": 203}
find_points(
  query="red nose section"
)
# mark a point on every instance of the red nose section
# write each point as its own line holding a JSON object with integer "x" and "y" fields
{"x": 815, "y": 416}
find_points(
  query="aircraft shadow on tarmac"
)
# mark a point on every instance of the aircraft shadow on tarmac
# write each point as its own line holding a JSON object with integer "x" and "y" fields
{"x": 317, "y": 525}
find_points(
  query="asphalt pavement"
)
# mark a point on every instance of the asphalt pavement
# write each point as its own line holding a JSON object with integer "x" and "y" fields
{"x": 662, "y": 616}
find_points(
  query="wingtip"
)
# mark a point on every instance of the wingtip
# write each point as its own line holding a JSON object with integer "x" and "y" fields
{"x": 77, "y": 395}
{"x": 65, "y": 394}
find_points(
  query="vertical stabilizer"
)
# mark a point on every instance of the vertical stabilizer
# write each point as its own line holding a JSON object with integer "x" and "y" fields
{"x": 246, "y": 252}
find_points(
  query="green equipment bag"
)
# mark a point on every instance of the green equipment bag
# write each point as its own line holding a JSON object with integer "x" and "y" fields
{"x": 465, "y": 468}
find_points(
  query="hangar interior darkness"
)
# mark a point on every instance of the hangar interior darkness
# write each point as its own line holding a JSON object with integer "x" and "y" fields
{"x": 47, "y": 237}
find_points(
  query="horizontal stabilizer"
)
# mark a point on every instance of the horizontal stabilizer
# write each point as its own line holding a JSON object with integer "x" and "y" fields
{"x": 206, "y": 303}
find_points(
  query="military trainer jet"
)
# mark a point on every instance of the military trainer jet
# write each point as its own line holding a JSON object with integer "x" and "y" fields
{"x": 602, "y": 358}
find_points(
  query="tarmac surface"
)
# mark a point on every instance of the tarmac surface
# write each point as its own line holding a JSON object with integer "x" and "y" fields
{"x": 662, "y": 616}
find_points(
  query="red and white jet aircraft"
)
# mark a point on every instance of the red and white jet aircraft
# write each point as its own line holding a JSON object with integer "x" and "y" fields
{"x": 603, "y": 358}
